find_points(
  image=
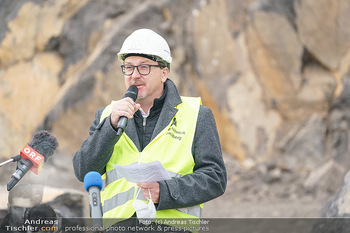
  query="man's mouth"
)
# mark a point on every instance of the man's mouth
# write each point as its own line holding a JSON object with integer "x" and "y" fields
{"x": 139, "y": 85}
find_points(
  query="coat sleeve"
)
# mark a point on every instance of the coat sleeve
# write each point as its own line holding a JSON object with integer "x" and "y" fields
{"x": 97, "y": 149}
{"x": 209, "y": 178}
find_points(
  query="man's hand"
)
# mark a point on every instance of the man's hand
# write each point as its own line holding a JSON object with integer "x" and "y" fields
{"x": 124, "y": 107}
{"x": 153, "y": 188}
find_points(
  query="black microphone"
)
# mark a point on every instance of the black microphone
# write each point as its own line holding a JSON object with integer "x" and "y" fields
{"x": 132, "y": 93}
{"x": 41, "y": 216}
{"x": 33, "y": 155}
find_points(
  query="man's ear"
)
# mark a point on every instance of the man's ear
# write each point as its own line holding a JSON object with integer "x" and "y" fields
{"x": 165, "y": 74}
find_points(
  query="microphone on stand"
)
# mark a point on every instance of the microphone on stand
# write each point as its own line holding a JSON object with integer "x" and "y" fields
{"x": 33, "y": 155}
{"x": 13, "y": 159}
{"x": 93, "y": 184}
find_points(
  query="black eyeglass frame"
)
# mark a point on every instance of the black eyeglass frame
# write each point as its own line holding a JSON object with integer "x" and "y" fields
{"x": 137, "y": 67}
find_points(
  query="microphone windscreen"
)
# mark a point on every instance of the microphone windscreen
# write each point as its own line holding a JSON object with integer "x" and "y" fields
{"x": 44, "y": 143}
{"x": 41, "y": 212}
{"x": 132, "y": 92}
{"x": 92, "y": 179}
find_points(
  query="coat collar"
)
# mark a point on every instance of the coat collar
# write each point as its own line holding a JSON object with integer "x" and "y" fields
{"x": 172, "y": 99}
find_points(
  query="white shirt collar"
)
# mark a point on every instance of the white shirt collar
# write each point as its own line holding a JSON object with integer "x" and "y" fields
{"x": 144, "y": 115}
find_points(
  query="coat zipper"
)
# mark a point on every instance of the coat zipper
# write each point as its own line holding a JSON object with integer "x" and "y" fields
{"x": 144, "y": 123}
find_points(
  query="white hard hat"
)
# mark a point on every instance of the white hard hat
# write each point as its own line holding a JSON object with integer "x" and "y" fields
{"x": 146, "y": 42}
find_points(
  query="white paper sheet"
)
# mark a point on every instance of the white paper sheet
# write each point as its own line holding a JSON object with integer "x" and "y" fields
{"x": 143, "y": 172}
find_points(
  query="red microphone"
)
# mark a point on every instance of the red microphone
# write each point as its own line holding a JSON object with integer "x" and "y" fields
{"x": 33, "y": 155}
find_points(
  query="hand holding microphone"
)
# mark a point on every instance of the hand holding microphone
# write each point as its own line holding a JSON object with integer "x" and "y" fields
{"x": 124, "y": 109}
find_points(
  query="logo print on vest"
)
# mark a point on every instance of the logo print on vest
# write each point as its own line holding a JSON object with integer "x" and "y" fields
{"x": 174, "y": 133}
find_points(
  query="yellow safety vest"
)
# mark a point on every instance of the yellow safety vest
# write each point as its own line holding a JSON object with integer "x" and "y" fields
{"x": 172, "y": 147}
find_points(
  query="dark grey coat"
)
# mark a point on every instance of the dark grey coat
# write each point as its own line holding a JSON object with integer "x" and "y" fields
{"x": 208, "y": 180}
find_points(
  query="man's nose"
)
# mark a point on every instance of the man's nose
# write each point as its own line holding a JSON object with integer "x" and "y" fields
{"x": 136, "y": 73}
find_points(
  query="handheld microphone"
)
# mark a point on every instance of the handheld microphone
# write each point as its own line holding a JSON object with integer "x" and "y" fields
{"x": 93, "y": 184}
{"x": 33, "y": 155}
{"x": 132, "y": 93}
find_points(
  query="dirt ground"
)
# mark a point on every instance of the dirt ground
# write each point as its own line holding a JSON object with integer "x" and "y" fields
{"x": 248, "y": 194}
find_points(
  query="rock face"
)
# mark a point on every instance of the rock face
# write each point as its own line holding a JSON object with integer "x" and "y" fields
{"x": 277, "y": 82}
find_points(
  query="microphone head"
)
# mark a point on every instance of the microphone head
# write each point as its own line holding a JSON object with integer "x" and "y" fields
{"x": 44, "y": 143}
{"x": 132, "y": 92}
{"x": 42, "y": 212}
{"x": 92, "y": 179}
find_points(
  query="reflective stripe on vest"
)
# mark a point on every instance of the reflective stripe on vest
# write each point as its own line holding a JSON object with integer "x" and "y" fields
{"x": 172, "y": 147}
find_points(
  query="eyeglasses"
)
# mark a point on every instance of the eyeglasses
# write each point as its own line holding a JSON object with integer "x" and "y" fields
{"x": 143, "y": 69}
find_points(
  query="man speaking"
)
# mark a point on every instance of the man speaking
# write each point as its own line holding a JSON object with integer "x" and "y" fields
{"x": 162, "y": 126}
